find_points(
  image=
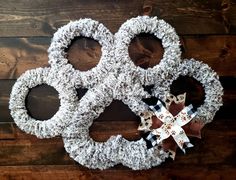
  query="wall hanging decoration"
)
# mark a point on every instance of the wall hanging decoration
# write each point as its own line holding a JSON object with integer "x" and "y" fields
{"x": 67, "y": 95}
{"x": 166, "y": 124}
{"x": 116, "y": 149}
{"x": 63, "y": 77}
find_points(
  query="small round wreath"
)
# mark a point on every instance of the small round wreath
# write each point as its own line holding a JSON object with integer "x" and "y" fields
{"x": 67, "y": 95}
{"x": 82, "y": 148}
{"x": 87, "y": 28}
{"x": 162, "y": 30}
{"x": 210, "y": 82}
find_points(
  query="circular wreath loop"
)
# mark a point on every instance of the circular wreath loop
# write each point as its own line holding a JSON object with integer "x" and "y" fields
{"x": 87, "y": 28}
{"x": 210, "y": 82}
{"x": 82, "y": 148}
{"x": 162, "y": 30}
{"x": 67, "y": 95}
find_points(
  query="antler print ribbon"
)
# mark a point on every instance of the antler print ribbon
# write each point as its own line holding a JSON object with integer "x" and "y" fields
{"x": 172, "y": 125}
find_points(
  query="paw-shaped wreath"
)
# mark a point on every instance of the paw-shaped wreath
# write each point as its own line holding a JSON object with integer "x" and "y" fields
{"x": 115, "y": 77}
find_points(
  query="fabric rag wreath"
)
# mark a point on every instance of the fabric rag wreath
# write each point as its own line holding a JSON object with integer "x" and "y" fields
{"x": 67, "y": 95}
{"x": 116, "y": 77}
{"x": 63, "y": 77}
{"x": 155, "y": 120}
{"x": 116, "y": 149}
{"x": 160, "y": 29}
{"x": 85, "y": 28}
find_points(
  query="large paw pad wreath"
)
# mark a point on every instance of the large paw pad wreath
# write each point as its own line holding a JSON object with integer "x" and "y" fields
{"x": 167, "y": 124}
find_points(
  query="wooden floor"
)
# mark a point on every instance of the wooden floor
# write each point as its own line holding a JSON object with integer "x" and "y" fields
{"x": 208, "y": 33}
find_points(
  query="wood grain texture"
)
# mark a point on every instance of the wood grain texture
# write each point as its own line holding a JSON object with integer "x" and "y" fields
{"x": 42, "y": 18}
{"x": 31, "y": 147}
{"x": 84, "y": 53}
{"x": 75, "y": 172}
{"x": 20, "y": 54}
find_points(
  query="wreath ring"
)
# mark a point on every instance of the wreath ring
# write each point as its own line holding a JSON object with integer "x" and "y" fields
{"x": 67, "y": 95}
{"x": 210, "y": 82}
{"x": 88, "y": 28}
{"x": 159, "y": 28}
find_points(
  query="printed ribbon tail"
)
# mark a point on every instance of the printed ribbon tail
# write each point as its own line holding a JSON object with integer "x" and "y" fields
{"x": 156, "y": 136}
{"x": 181, "y": 138}
{"x": 183, "y": 143}
{"x": 187, "y": 145}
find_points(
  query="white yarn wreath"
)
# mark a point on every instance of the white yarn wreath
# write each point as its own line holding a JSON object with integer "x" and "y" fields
{"x": 86, "y": 28}
{"x": 163, "y": 31}
{"x": 134, "y": 154}
{"x": 102, "y": 155}
{"x": 210, "y": 82}
{"x": 115, "y": 77}
{"x": 67, "y": 95}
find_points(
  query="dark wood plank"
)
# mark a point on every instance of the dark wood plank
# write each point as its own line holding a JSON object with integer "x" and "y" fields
{"x": 212, "y": 17}
{"x": 74, "y": 172}
{"x": 28, "y": 150}
{"x": 20, "y": 54}
{"x": 42, "y": 18}
{"x": 216, "y": 51}
{"x": 229, "y": 18}
{"x": 5, "y": 91}
{"x": 7, "y": 131}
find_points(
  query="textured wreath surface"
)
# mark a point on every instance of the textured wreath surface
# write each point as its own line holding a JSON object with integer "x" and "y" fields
{"x": 102, "y": 155}
{"x": 86, "y": 28}
{"x": 115, "y": 77}
{"x": 67, "y": 95}
{"x": 163, "y": 31}
{"x": 210, "y": 82}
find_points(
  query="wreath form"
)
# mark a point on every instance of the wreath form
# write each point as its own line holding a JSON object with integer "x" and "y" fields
{"x": 121, "y": 84}
{"x": 102, "y": 155}
{"x": 65, "y": 78}
{"x": 210, "y": 82}
{"x": 163, "y": 31}
{"x": 67, "y": 95}
{"x": 133, "y": 154}
{"x": 86, "y": 28}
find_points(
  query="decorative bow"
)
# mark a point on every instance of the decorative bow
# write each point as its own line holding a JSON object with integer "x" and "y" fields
{"x": 150, "y": 122}
{"x": 172, "y": 125}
